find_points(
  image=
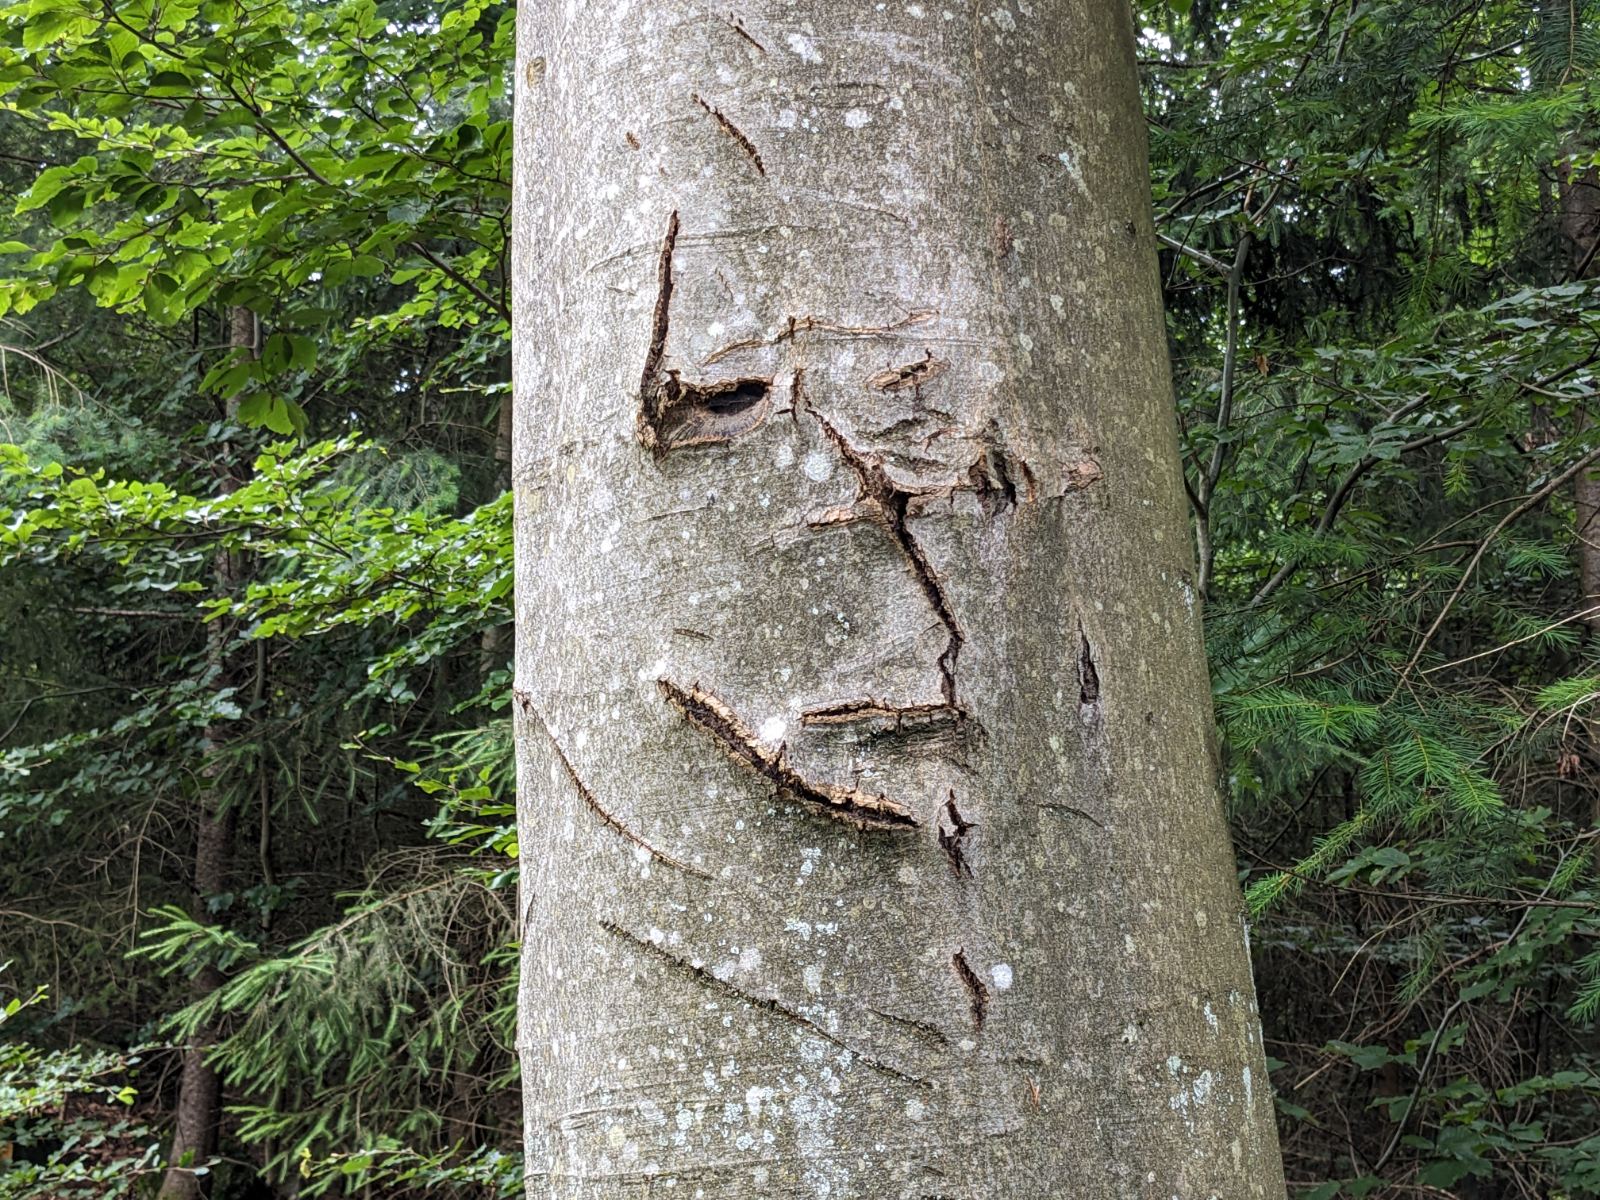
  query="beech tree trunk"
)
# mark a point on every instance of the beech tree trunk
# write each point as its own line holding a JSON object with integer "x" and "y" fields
{"x": 870, "y": 826}
{"x": 199, "y": 1107}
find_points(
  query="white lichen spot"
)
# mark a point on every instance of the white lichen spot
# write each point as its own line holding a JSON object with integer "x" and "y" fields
{"x": 804, "y": 48}
{"x": 813, "y": 979}
{"x": 773, "y": 729}
{"x": 1211, "y": 1017}
{"x": 616, "y": 1137}
{"x": 1000, "y": 973}
{"x": 915, "y": 1109}
{"x": 818, "y": 466}
{"x": 749, "y": 958}
{"x": 803, "y": 928}
{"x": 1070, "y": 162}
{"x": 656, "y": 935}
{"x": 1202, "y": 1086}
{"x": 1127, "y": 943}
{"x": 916, "y": 10}
{"x": 1249, "y": 1091}
{"x": 684, "y": 1119}
{"x": 906, "y": 874}
{"x": 1002, "y": 17}
{"x": 641, "y": 855}
{"x": 1201, "y": 918}
{"x": 808, "y": 859}
{"x": 856, "y": 118}
{"x": 1174, "y": 1065}
{"x": 783, "y": 456}
{"x": 1059, "y": 304}
{"x": 754, "y": 1098}
{"x": 1130, "y": 1033}
{"x": 786, "y": 119}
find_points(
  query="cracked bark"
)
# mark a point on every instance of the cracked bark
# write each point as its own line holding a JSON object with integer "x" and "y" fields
{"x": 852, "y": 576}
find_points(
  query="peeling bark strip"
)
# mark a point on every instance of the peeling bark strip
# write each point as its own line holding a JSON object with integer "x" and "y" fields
{"x": 879, "y": 497}
{"x": 733, "y": 131}
{"x": 977, "y": 993}
{"x": 950, "y": 841}
{"x": 739, "y": 742}
{"x": 890, "y": 718}
{"x": 911, "y": 375}
{"x": 770, "y": 1004}
{"x": 525, "y": 702}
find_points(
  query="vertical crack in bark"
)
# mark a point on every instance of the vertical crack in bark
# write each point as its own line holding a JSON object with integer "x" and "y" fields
{"x": 1088, "y": 677}
{"x": 887, "y": 502}
{"x": 650, "y": 388}
{"x": 733, "y": 131}
{"x": 525, "y": 702}
{"x": 977, "y": 993}
{"x": 739, "y": 742}
{"x": 704, "y": 978}
{"x": 952, "y": 841}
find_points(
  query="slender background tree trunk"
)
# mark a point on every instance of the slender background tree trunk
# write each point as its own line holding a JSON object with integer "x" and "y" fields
{"x": 199, "y": 1108}
{"x": 871, "y": 833}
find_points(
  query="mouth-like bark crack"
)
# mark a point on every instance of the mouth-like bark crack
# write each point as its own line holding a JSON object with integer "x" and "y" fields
{"x": 739, "y": 742}
{"x": 1088, "y": 676}
{"x": 525, "y": 703}
{"x": 886, "y": 502}
{"x": 704, "y": 978}
{"x": 884, "y": 716}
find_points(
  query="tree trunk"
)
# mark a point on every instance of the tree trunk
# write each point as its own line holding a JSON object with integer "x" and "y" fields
{"x": 871, "y": 834}
{"x": 199, "y": 1109}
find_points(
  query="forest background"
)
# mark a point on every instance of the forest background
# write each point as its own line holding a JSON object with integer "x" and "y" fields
{"x": 254, "y": 528}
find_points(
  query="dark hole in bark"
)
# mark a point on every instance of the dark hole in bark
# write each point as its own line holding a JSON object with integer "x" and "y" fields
{"x": 701, "y": 414}
{"x": 1088, "y": 677}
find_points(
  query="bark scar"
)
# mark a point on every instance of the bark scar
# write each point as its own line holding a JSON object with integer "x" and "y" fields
{"x": 700, "y": 975}
{"x": 739, "y": 742}
{"x": 1088, "y": 676}
{"x": 733, "y": 131}
{"x": 886, "y": 502}
{"x": 674, "y": 412}
{"x": 977, "y": 993}
{"x": 951, "y": 841}
{"x": 525, "y": 702}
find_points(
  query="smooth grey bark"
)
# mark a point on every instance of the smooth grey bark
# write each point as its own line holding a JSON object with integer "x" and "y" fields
{"x": 871, "y": 837}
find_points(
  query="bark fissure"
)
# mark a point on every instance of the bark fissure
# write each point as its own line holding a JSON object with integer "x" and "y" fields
{"x": 887, "y": 503}
{"x": 590, "y": 800}
{"x": 795, "y": 326}
{"x": 738, "y": 741}
{"x": 1088, "y": 674}
{"x": 771, "y": 1004}
{"x": 952, "y": 841}
{"x": 910, "y": 375}
{"x": 733, "y": 131}
{"x": 977, "y": 992}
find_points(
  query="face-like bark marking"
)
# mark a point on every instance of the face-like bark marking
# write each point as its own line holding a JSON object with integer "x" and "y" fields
{"x": 770, "y": 1004}
{"x": 733, "y": 131}
{"x": 739, "y": 742}
{"x": 951, "y": 840}
{"x": 977, "y": 993}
